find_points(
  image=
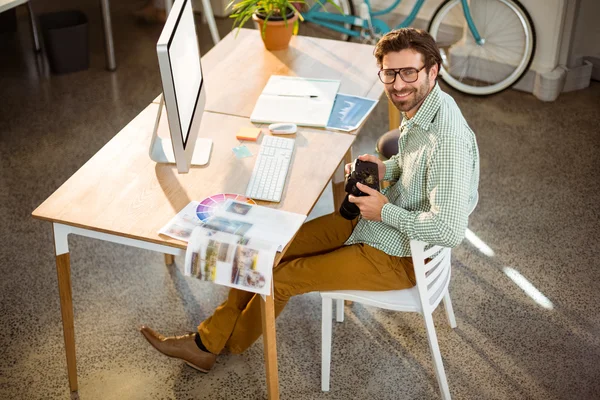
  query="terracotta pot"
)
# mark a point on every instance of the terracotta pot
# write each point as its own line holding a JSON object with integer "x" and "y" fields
{"x": 277, "y": 34}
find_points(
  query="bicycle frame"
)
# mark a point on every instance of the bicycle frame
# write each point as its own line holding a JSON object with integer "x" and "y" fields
{"x": 336, "y": 22}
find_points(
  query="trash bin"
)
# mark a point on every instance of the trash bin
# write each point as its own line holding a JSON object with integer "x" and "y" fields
{"x": 66, "y": 41}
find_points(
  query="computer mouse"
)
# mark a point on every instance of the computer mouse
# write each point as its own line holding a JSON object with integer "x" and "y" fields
{"x": 283, "y": 128}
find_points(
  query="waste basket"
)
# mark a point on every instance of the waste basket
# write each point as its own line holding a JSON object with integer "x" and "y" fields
{"x": 66, "y": 41}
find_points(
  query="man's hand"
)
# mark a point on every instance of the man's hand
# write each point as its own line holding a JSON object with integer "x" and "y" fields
{"x": 370, "y": 206}
{"x": 373, "y": 159}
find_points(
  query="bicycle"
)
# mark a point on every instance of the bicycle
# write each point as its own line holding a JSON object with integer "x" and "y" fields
{"x": 486, "y": 45}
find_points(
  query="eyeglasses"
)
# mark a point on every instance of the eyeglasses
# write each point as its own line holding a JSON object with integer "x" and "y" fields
{"x": 408, "y": 75}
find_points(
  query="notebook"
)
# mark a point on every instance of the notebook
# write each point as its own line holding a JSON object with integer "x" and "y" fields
{"x": 303, "y": 101}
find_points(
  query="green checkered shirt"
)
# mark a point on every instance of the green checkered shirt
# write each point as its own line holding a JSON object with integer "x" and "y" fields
{"x": 437, "y": 173}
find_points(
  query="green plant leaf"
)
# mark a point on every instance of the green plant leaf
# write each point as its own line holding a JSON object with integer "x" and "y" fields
{"x": 242, "y": 10}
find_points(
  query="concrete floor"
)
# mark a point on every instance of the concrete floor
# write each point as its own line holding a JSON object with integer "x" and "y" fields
{"x": 537, "y": 219}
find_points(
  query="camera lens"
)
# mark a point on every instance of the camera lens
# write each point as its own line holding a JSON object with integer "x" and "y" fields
{"x": 349, "y": 210}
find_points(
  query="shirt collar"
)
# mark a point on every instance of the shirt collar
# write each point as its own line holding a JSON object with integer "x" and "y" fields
{"x": 427, "y": 111}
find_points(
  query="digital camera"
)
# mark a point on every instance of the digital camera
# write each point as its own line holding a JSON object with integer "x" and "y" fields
{"x": 365, "y": 172}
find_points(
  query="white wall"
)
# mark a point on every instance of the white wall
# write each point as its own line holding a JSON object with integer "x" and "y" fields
{"x": 547, "y": 16}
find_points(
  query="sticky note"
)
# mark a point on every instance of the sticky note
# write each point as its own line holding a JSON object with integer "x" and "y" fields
{"x": 242, "y": 151}
{"x": 248, "y": 134}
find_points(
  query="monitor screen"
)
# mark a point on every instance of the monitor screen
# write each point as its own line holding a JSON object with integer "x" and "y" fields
{"x": 184, "y": 58}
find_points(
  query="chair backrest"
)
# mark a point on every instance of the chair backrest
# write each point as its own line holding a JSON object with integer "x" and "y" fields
{"x": 432, "y": 271}
{"x": 472, "y": 206}
{"x": 387, "y": 144}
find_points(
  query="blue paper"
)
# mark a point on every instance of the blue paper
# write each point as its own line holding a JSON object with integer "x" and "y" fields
{"x": 349, "y": 112}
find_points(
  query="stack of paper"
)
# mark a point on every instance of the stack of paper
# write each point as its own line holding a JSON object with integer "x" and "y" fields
{"x": 302, "y": 101}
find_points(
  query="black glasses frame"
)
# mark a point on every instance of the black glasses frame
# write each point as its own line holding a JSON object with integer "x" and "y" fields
{"x": 399, "y": 71}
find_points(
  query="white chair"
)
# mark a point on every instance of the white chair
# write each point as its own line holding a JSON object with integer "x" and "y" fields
{"x": 432, "y": 277}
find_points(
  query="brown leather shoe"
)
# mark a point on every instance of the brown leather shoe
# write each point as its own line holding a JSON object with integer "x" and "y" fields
{"x": 182, "y": 347}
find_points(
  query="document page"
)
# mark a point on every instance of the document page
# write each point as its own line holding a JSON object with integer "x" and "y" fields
{"x": 302, "y": 101}
{"x": 349, "y": 112}
{"x": 279, "y": 85}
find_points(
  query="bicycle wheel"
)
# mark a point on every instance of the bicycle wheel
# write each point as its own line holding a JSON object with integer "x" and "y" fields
{"x": 315, "y": 29}
{"x": 495, "y": 63}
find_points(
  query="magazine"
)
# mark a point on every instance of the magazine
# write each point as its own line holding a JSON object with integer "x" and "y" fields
{"x": 182, "y": 224}
{"x": 239, "y": 218}
{"x": 235, "y": 243}
{"x": 230, "y": 260}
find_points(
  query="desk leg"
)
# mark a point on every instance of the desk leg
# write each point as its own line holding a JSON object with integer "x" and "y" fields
{"x": 111, "y": 64}
{"x": 34, "y": 28}
{"x": 338, "y": 181}
{"x": 63, "y": 270}
{"x": 268, "y": 321}
{"x": 393, "y": 115}
{"x": 169, "y": 259}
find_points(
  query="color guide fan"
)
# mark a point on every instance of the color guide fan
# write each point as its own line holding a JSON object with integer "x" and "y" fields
{"x": 207, "y": 206}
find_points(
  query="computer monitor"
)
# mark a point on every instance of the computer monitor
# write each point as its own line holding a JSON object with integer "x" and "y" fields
{"x": 183, "y": 92}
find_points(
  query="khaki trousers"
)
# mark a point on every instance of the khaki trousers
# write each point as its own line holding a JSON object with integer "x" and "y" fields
{"x": 317, "y": 260}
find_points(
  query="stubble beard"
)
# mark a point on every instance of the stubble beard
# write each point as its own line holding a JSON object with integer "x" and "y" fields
{"x": 417, "y": 98}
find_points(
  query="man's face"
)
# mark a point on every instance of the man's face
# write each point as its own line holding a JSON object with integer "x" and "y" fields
{"x": 408, "y": 97}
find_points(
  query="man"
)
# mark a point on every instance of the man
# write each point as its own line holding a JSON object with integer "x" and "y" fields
{"x": 437, "y": 173}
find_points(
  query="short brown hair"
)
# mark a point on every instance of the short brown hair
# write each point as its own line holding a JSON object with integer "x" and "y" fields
{"x": 409, "y": 38}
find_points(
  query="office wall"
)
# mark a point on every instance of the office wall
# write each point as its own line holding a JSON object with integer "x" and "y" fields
{"x": 586, "y": 38}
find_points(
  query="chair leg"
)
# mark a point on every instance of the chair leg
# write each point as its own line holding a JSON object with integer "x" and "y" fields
{"x": 326, "y": 310}
{"x": 437, "y": 357}
{"x": 339, "y": 310}
{"x": 449, "y": 310}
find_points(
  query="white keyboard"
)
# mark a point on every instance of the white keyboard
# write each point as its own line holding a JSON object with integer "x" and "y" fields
{"x": 268, "y": 177}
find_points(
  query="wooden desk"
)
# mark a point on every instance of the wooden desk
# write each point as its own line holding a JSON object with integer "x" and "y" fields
{"x": 240, "y": 64}
{"x": 121, "y": 196}
{"x": 238, "y": 69}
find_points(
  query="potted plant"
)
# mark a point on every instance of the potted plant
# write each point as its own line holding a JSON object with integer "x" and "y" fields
{"x": 277, "y": 20}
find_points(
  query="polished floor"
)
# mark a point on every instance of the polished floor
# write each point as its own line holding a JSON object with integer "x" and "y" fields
{"x": 525, "y": 282}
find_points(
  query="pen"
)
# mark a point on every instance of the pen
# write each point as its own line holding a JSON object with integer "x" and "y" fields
{"x": 308, "y": 96}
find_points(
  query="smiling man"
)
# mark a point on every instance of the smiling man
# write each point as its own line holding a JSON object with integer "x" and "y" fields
{"x": 437, "y": 173}
{"x": 413, "y": 87}
{"x": 437, "y": 165}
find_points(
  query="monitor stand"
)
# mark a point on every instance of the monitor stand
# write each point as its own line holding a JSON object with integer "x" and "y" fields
{"x": 161, "y": 149}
